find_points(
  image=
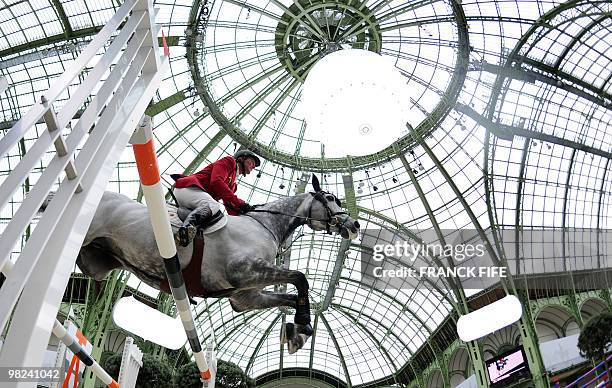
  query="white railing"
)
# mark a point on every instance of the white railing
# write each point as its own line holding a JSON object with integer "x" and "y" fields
{"x": 46, "y": 261}
{"x": 130, "y": 364}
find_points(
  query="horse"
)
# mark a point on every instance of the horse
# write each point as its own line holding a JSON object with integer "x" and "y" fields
{"x": 238, "y": 260}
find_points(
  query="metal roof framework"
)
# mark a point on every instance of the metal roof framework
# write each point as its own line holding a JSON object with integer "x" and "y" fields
{"x": 512, "y": 104}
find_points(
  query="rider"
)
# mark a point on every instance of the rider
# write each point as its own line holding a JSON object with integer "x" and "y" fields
{"x": 202, "y": 190}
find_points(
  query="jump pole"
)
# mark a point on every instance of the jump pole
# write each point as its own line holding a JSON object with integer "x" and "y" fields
{"x": 146, "y": 162}
{"x": 73, "y": 344}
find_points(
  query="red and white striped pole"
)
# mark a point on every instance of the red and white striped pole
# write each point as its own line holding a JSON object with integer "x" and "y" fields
{"x": 73, "y": 344}
{"x": 146, "y": 161}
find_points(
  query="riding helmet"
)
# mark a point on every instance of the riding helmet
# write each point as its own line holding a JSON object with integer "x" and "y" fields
{"x": 247, "y": 153}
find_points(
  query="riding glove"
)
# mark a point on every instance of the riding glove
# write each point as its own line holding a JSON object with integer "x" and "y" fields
{"x": 245, "y": 208}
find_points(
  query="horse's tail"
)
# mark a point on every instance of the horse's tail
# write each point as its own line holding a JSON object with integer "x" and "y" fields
{"x": 46, "y": 201}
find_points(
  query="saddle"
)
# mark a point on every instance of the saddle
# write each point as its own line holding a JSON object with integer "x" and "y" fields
{"x": 192, "y": 272}
{"x": 178, "y": 214}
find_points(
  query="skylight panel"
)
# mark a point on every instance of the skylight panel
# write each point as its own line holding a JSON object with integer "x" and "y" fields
{"x": 135, "y": 283}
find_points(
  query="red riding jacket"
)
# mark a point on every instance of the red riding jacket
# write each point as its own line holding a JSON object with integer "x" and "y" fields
{"x": 218, "y": 179}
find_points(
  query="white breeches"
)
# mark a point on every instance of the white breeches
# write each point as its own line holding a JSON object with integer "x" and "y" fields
{"x": 194, "y": 197}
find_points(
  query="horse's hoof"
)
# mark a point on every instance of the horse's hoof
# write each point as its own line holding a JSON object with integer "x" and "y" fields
{"x": 287, "y": 333}
{"x": 296, "y": 343}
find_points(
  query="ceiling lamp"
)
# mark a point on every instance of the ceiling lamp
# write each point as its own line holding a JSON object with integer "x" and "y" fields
{"x": 136, "y": 317}
{"x": 490, "y": 318}
{"x": 355, "y": 102}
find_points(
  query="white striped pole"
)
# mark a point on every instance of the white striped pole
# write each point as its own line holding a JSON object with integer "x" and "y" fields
{"x": 62, "y": 334}
{"x": 146, "y": 162}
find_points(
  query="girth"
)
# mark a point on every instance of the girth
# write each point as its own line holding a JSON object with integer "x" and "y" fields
{"x": 191, "y": 273}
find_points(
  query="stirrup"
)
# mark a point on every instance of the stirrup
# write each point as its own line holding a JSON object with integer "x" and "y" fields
{"x": 185, "y": 235}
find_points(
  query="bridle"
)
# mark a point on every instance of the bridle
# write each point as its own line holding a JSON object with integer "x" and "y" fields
{"x": 332, "y": 219}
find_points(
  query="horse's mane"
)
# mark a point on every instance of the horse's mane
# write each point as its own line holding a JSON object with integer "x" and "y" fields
{"x": 279, "y": 201}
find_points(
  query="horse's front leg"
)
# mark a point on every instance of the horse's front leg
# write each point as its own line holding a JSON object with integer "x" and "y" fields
{"x": 250, "y": 273}
{"x": 246, "y": 300}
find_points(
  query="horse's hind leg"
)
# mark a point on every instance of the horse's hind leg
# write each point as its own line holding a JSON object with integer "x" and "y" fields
{"x": 95, "y": 261}
{"x": 246, "y": 300}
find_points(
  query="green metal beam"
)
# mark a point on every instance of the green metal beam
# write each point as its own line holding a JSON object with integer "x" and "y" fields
{"x": 197, "y": 161}
{"x": 57, "y": 5}
{"x": 312, "y": 344}
{"x": 573, "y": 303}
{"x": 269, "y": 89}
{"x": 350, "y": 200}
{"x": 405, "y": 7}
{"x": 35, "y": 44}
{"x": 564, "y": 211}
{"x": 549, "y": 75}
{"x": 335, "y": 275}
{"x": 260, "y": 343}
{"x": 166, "y": 103}
{"x": 599, "y": 213}
{"x": 598, "y": 96}
{"x": 518, "y": 225}
{"x": 308, "y": 16}
{"x": 234, "y": 92}
{"x": 507, "y": 132}
{"x": 286, "y": 114}
{"x": 466, "y": 207}
{"x": 514, "y": 72}
{"x": 297, "y": 19}
{"x": 379, "y": 20}
{"x": 335, "y": 341}
{"x": 419, "y": 22}
{"x": 458, "y": 291}
{"x": 398, "y": 338}
{"x": 351, "y": 203}
{"x": 170, "y": 41}
{"x": 246, "y": 317}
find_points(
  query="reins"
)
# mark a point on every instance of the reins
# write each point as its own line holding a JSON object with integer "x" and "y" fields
{"x": 307, "y": 219}
{"x": 318, "y": 196}
{"x": 281, "y": 214}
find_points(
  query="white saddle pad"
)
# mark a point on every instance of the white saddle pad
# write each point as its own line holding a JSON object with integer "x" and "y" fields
{"x": 176, "y": 222}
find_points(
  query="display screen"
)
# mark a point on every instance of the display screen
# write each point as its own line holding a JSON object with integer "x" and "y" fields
{"x": 510, "y": 366}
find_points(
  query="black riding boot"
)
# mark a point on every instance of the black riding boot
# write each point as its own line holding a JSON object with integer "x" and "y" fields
{"x": 190, "y": 226}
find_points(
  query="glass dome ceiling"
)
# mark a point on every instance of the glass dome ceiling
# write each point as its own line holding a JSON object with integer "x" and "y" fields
{"x": 511, "y": 128}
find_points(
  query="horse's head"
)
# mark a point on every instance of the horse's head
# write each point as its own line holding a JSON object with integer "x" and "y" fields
{"x": 327, "y": 214}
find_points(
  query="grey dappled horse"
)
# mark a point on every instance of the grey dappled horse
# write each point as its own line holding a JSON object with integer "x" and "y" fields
{"x": 238, "y": 260}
